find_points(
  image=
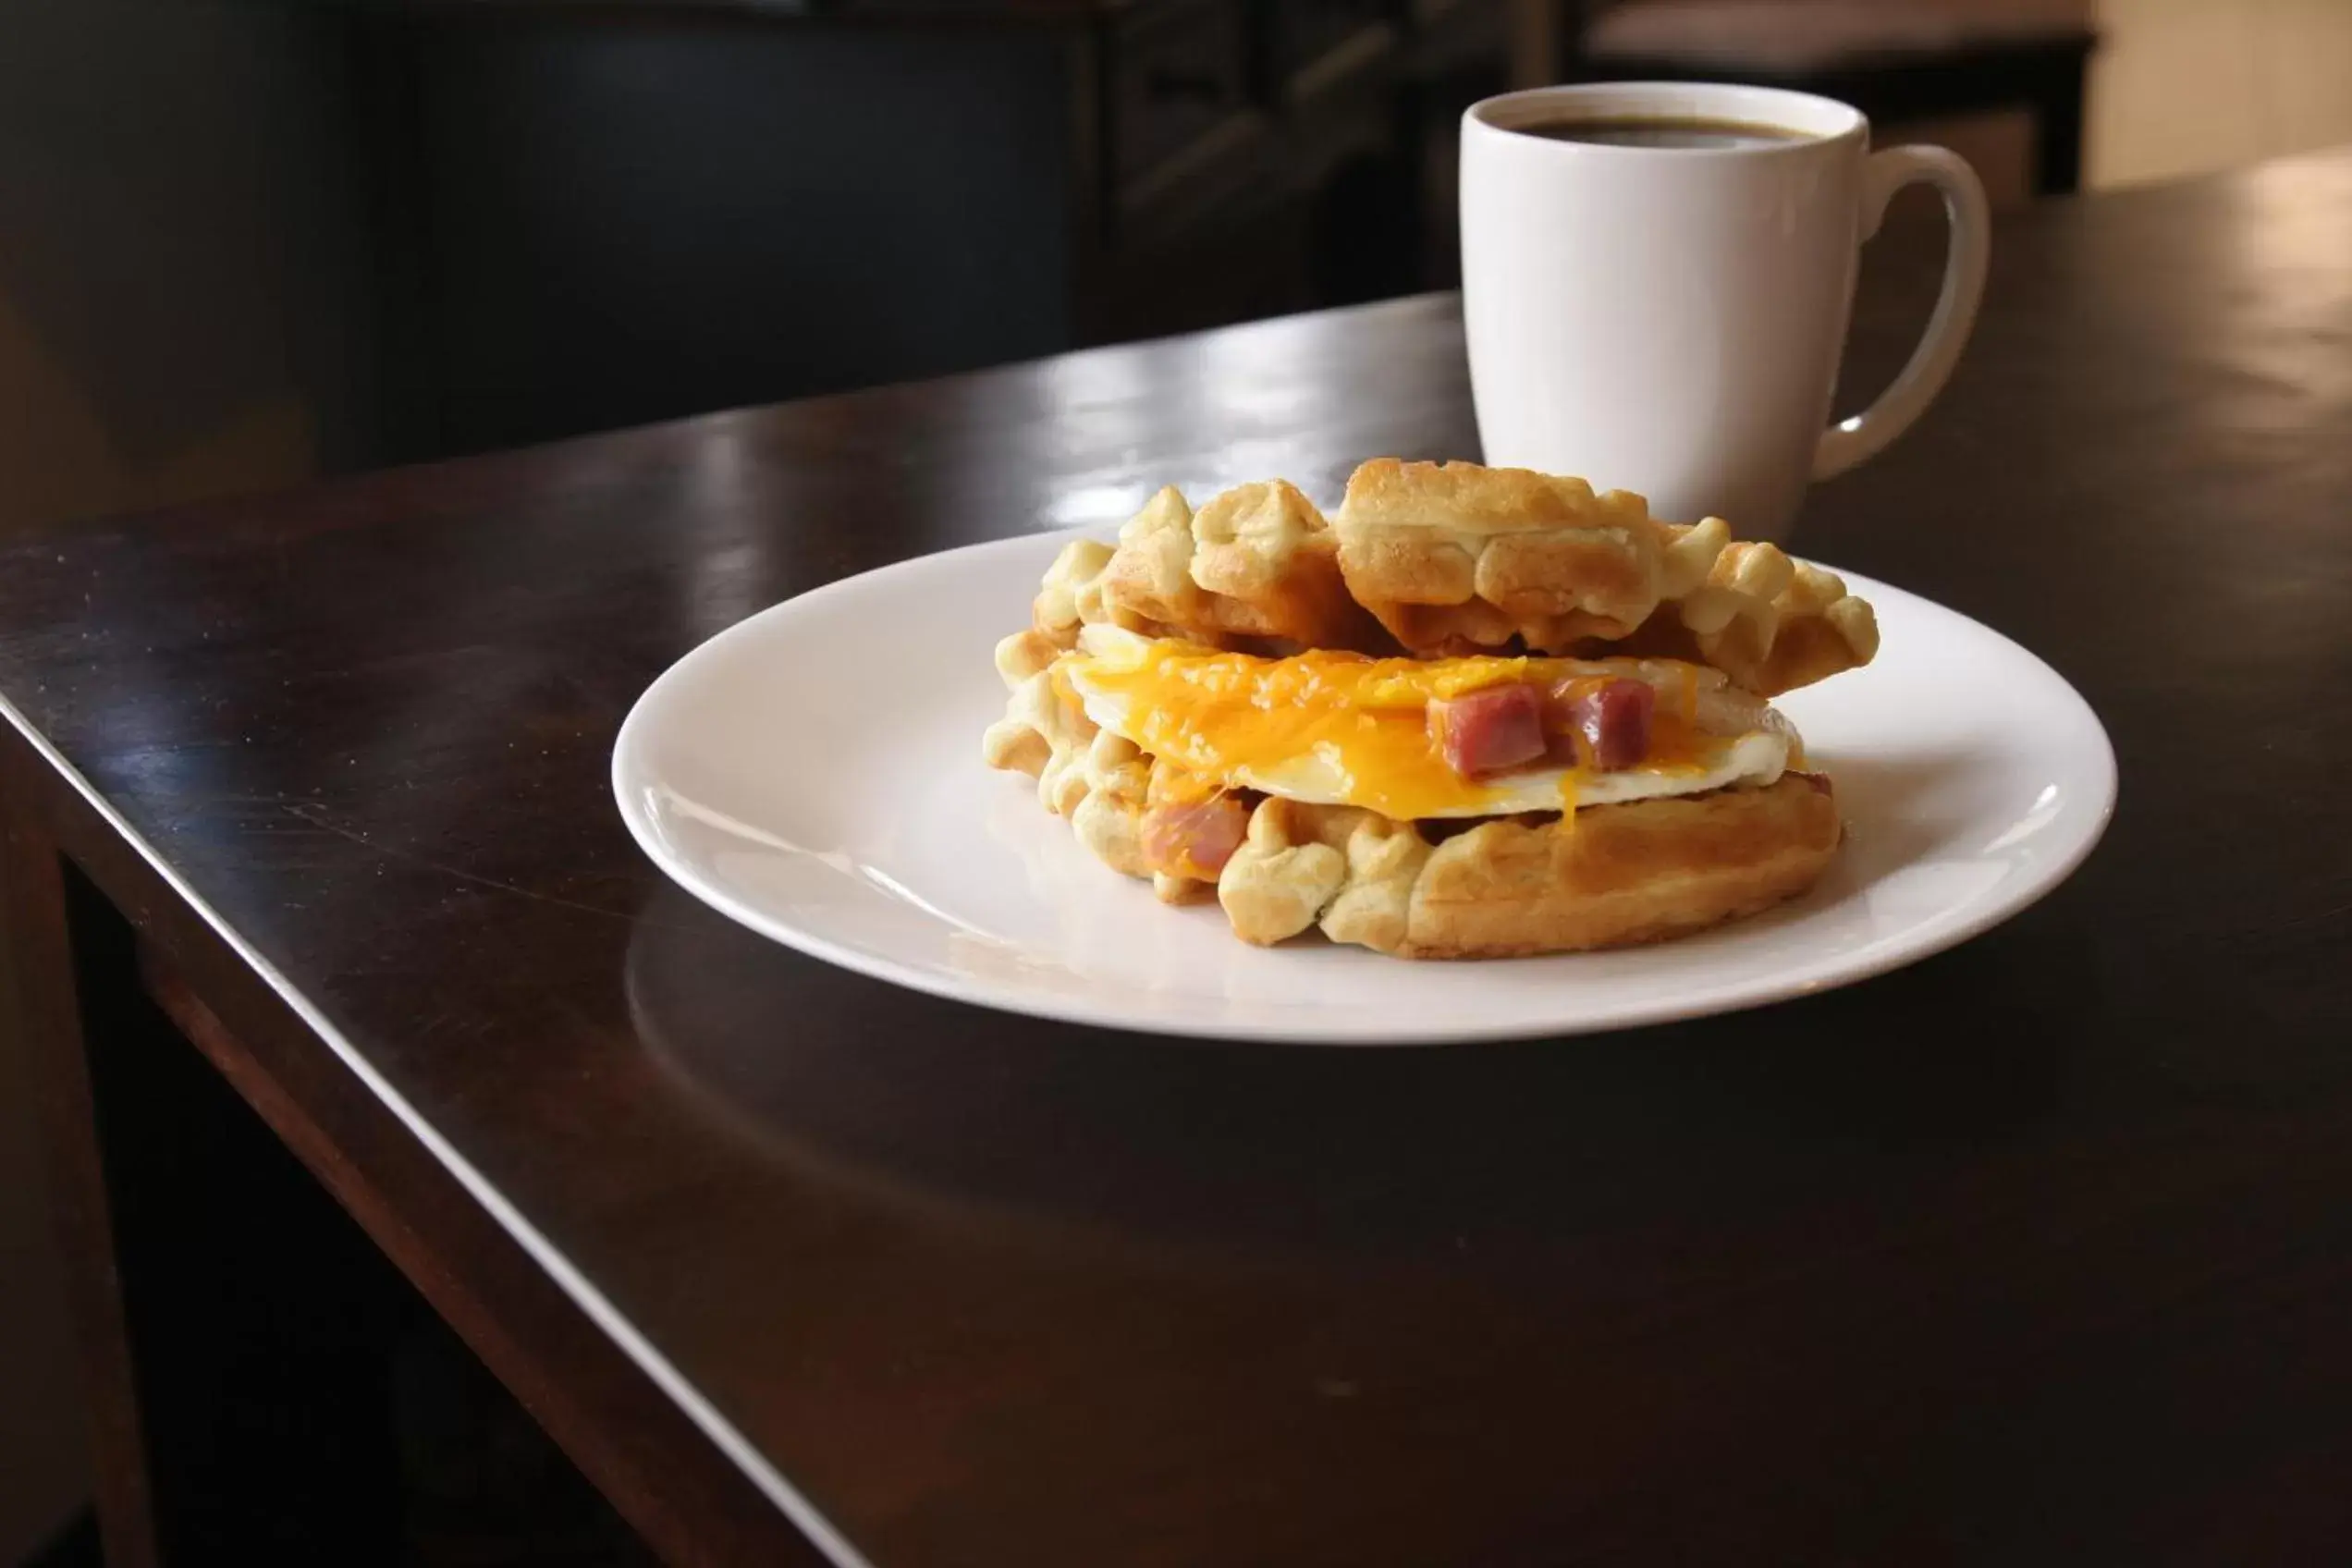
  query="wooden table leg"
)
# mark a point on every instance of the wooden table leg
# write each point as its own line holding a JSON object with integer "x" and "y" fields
{"x": 243, "y": 1341}
{"x": 280, "y": 1363}
{"x": 38, "y": 952}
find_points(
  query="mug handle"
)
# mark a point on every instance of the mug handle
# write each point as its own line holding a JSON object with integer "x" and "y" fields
{"x": 1869, "y": 433}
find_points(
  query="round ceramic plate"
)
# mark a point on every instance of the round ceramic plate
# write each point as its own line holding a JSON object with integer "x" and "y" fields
{"x": 814, "y": 773}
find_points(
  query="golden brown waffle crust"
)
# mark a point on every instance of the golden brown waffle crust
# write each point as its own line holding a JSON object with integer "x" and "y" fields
{"x": 1436, "y": 558}
{"x": 1609, "y": 876}
{"x": 1450, "y": 557}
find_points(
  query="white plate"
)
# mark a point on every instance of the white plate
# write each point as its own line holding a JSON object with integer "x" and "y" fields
{"x": 814, "y": 773}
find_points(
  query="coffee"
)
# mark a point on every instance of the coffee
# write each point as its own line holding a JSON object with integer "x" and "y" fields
{"x": 1702, "y": 134}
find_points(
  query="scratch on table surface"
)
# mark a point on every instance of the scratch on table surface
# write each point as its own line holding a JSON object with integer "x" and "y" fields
{"x": 312, "y": 817}
{"x": 2296, "y": 923}
{"x": 2315, "y": 919}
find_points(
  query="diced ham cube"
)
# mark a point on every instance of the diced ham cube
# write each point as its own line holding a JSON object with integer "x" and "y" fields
{"x": 1490, "y": 729}
{"x": 1193, "y": 838}
{"x": 1613, "y": 715}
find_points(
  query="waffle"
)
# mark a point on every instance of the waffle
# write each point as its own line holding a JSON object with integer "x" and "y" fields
{"x": 1257, "y": 566}
{"x": 1442, "y": 560}
{"x": 1453, "y": 556}
{"x": 1770, "y": 623}
{"x": 1072, "y": 596}
{"x": 1607, "y": 878}
{"x": 1102, "y": 783}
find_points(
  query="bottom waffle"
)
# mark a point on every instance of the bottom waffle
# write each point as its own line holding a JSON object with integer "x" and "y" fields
{"x": 1609, "y": 876}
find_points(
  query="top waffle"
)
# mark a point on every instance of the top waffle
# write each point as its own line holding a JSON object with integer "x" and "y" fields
{"x": 1450, "y": 558}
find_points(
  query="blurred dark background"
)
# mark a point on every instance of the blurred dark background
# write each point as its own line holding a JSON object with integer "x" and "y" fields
{"x": 244, "y": 243}
{"x": 247, "y": 241}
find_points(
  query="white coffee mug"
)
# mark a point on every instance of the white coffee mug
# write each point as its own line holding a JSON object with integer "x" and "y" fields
{"x": 1668, "y": 320}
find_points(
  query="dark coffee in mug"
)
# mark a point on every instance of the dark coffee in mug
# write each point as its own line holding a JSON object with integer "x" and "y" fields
{"x": 1713, "y": 135}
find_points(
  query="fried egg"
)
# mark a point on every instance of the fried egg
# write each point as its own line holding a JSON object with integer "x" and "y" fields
{"x": 1333, "y": 729}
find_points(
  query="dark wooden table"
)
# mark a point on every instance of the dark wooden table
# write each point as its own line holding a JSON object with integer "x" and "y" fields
{"x": 2039, "y": 1251}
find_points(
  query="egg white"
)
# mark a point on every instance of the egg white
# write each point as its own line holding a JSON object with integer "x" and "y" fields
{"x": 1761, "y": 742}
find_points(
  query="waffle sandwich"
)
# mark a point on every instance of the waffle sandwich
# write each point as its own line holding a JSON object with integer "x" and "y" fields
{"x": 1477, "y": 712}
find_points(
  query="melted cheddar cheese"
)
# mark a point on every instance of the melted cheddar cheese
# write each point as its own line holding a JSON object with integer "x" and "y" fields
{"x": 1342, "y": 728}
